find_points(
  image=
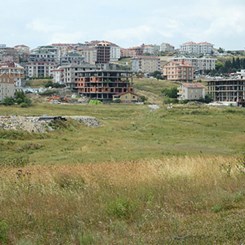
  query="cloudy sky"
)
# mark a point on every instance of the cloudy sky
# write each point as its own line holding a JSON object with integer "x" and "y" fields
{"x": 124, "y": 22}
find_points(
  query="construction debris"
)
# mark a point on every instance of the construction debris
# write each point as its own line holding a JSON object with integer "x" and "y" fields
{"x": 41, "y": 124}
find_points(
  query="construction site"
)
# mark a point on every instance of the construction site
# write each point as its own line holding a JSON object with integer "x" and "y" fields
{"x": 103, "y": 84}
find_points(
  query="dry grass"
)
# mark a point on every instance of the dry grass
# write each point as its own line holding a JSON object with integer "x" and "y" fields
{"x": 174, "y": 200}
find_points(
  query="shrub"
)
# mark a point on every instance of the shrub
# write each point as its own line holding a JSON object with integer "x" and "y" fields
{"x": 8, "y": 101}
{"x": 69, "y": 181}
{"x": 122, "y": 208}
{"x": 3, "y": 232}
{"x": 86, "y": 239}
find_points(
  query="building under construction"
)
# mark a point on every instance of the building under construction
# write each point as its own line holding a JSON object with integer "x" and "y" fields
{"x": 227, "y": 90}
{"x": 103, "y": 84}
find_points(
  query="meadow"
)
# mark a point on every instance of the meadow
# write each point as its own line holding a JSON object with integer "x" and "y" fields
{"x": 169, "y": 176}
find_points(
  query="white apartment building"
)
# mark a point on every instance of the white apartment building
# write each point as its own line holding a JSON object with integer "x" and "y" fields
{"x": 166, "y": 47}
{"x": 200, "y": 64}
{"x": 191, "y": 91}
{"x": 146, "y": 64}
{"x": 196, "y": 48}
{"x": 115, "y": 53}
{"x": 151, "y": 49}
{"x": 89, "y": 54}
{"x": 7, "y": 86}
{"x": 40, "y": 69}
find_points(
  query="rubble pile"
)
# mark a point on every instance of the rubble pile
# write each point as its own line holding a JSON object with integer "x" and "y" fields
{"x": 41, "y": 124}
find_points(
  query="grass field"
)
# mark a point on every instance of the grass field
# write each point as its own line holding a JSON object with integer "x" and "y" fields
{"x": 143, "y": 177}
{"x": 151, "y": 88}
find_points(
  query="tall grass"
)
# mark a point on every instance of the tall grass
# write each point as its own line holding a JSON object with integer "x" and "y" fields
{"x": 173, "y": 200}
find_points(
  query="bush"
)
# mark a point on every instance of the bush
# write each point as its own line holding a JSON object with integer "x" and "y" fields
{"x": 121, "y": 208}
{"x": 19, "y": 98}
{"x": 8, "y": 101}
{"x": 3, "y": 232}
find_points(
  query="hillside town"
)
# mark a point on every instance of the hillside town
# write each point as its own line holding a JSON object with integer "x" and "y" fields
{"x": 103, "y": 71}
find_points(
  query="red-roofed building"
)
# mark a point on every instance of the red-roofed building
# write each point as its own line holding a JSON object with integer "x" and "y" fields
{"x": 196, "y": 48}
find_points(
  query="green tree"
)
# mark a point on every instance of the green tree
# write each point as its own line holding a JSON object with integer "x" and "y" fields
{"x": 171, "y": 92}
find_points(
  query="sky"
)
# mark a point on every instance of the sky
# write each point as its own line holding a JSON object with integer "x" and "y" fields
{"x": 124, "y": 22}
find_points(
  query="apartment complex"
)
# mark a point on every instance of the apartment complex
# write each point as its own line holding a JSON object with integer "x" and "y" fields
{"x": 151, "y": 49}
{"x": 191, "y": 91}
{"x": 132, "y": 52}
{"x": 201, "y": 48}
{"x": 89, "y": 53}
{"x": 166, "y": 47}
{"x": 178, "y": 71}
{"x": 14, "y": 71}
{"x": 71, "y": 58}
{"x": 146, "y": 64}
{"x": 200, "y": 64}
{"x": 69, "y": 74}
{"x": 8, "y": 54}
{"x": 7, "y": 86}
{"x": 227, "y": 90}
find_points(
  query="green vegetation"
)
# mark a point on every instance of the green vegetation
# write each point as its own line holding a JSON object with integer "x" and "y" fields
{"x": 228, "y": 65}
{"x": 53, "y": 85}
{"x": 169, "y": 176}
{"x": 19, "y": 98}
{"x": 37, "y": 82}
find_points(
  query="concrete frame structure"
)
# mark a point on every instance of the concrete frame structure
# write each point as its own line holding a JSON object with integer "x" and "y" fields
{"x": 103, "y": 84}
{"x": 227, "y": 90}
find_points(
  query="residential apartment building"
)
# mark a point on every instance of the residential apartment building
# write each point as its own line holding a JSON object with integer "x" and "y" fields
{"x": 71, "y": 58}
{"x": 227, "y": 90}
{"x": 104, "y": 84}
{"x": 115, "y": 52}
{"x": 151, "y": 49}
{"x": 40, "y": 69}
{"x": 191, "y": 91}
{"x": 42, "y": 61}
{"x": 8, "y": 55}
{"x": 7, "y": 86}
{"x": 200, "y": 64}
{"x": 178, "y": 71}
{"x": 14, "y": 71}
{"x": 69, "y": 74}
{"x": 201, "y": 48}
{"x": 132, "y": 52}
{"x": 88, "y": 52}
{"x": 146, "y": 64}
{"x": 103, "y": 53}
{"x": 166, "y": 47}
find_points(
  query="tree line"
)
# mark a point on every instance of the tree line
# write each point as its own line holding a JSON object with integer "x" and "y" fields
{"x": 229, "y": 66}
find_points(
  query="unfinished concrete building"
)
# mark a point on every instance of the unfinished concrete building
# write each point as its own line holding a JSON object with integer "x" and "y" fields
{"x": 227, "y": 90}
{"x": 103, "y": 84}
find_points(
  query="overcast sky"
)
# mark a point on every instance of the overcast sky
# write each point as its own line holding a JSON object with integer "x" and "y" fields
{"x": 124, "y": 22}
